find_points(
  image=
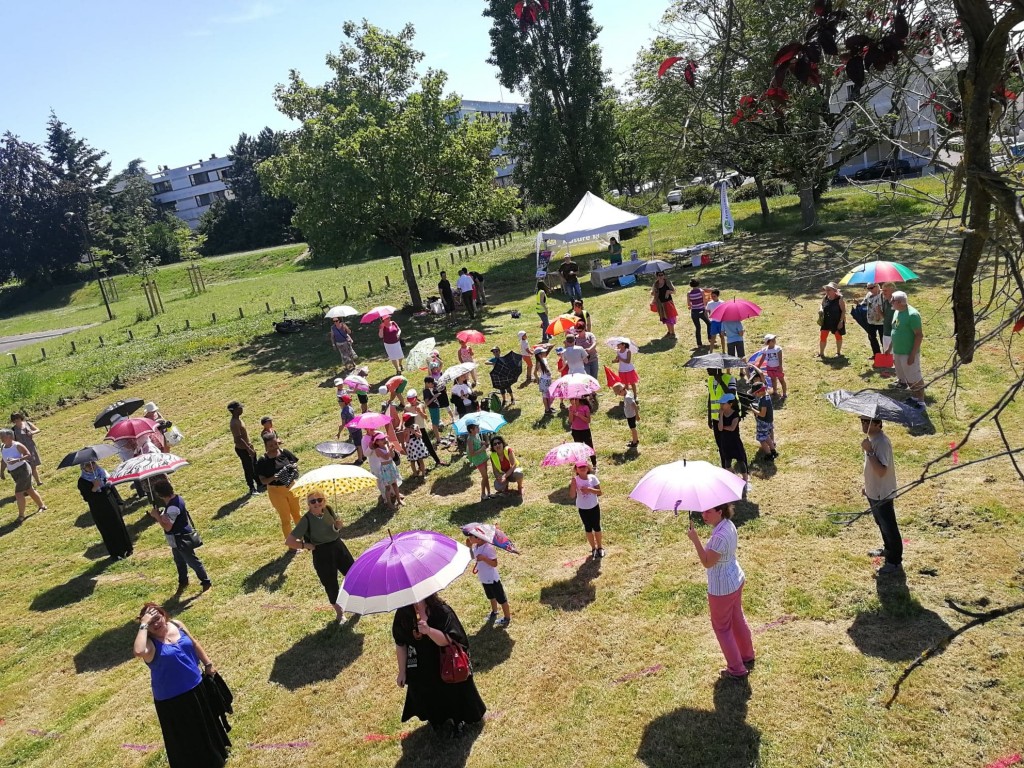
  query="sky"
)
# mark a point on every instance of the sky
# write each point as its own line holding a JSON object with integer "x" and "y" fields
{"x": 174, "y": 82}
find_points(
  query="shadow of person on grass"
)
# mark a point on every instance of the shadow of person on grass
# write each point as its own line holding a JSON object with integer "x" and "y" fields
{"x": 543, "y": 421}
{"x": 231, "y": 506}
{"x": 107, "y": 649}
{"x": 9, "y": 526}
{"x": 697, "y": 738}
{"x": 84, "y": 520}
{"x": 72, "y": 591}
{"x": 743, "y": 511}
{"x": 318, "y": 657}
{"x": 900, "y": 628}
{"x": 423, "y": 748}
{"x": 560, "y": 495}
{"x": 624, "y": 457}
{"x": 489, "y": 647}
{"x": 457, "y": 482}
{"x": 576, "y": 593}
{"x": 661, "y": 344}
{"x": 270, "y": 576}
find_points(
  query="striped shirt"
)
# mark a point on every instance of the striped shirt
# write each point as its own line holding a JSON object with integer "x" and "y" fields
{"x": 695, "y": 298}
{"x": 725, "y": 576}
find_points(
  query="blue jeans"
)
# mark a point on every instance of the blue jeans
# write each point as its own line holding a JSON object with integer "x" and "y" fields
{"x": 185, "y": 558}
{"x": 574, "y": 290}
{"x": 543, "y": 326}
{"x": 591, "y": 368}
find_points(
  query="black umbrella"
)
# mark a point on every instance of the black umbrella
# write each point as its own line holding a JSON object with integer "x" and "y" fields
{"x": 507, "y": 370}
{"x": 715, "y": 360}
{"x": 120, "y": 408}
{"x": 89, "y": 453}
{"x": 874, "y": 405}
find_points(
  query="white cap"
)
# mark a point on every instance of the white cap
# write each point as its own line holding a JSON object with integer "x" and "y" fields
{"x": 769, "y": 336}
{"x": 410, "y": 394}
{"x": 150, "y": 407}
{"x": 339, "y": 382}
{"x": 522, "y": 334}
{"x": 115, "y": 418}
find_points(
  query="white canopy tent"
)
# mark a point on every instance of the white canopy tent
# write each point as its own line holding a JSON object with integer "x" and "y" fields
{"x": 592, "y": 216}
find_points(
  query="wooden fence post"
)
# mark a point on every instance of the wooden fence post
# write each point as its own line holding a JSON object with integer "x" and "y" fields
{"x": 419, "y": 268}
{"x": 158, "y": 329}
{"x": 387, "y": 281}
{"x": 452, "y": 257}
{"x": 74, "y": 349}
{"x": 241, "y": 315}
{"x": 320, "y": 296}
{"x": 437, "y": 264}
{"x": 267, "y": 305}
{"x": 44, "y": 352}
{"x": 428, "y": 269}
{"x": 214, "y": 316}
{"x": 131, "y": 336}
{"x": 293, "y": 301}
{"x": 14, "y": 357}
{"x": 369, "y": 287}
{"x": 101, "y": 341}
{"x": 188, "y": 325}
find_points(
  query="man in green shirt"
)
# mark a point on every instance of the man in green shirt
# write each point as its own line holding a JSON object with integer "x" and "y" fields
{"x": 906, "y": 347}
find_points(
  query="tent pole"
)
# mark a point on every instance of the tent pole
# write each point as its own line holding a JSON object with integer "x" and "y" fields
{"x": 650, "y": 239}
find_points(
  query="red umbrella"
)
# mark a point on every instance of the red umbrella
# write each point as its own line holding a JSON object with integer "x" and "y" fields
{"x": 470, "y": 336}
{"x": 131, "y": 429}
{"x": 735, "y": 309}
{"x": 611, "y": 377}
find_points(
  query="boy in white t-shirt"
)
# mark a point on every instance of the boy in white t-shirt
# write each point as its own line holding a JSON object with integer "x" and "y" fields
{"x": 486, "y": 569}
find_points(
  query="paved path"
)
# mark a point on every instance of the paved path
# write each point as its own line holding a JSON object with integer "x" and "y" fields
{"x": 11, "y": 343}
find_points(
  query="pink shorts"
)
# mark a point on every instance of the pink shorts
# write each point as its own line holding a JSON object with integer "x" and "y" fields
{"x": 774, "y": 373}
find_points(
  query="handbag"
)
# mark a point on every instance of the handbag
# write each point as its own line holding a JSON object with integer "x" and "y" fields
{"x": 192, "y": 537}
{"x": 455, "y": 667}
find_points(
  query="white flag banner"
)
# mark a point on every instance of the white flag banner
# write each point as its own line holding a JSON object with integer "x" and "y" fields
{"x": 727, "y": 223}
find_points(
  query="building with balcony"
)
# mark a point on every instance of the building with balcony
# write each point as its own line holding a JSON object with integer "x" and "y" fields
{"x": 502, "y": 112}
{"x": 189, "y": 191}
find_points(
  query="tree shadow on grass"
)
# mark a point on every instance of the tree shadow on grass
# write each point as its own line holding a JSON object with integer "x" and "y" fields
{"x": 576, "y": 593}
{"x": 424, "y": 748}
{"x": 295, "y": 353}
{"x": 107, "y": 649}
{"x": 270, "y": 576}
{"x": 140, "y": 525}
{"x": 489, "y": 647}
{"x": 72, "y": 591}
{"x": 901, "y": 628}
{"x": 231, "y": 506}
{"x": 683, "y": 738}
{"x": 318, "y": 657}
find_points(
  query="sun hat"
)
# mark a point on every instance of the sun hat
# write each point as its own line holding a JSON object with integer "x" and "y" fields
{"x": 833, "y": 286}
{"x": 411, "y": 394}
{"x": 522, "y": 334}
{"x": 769, "y": 336}
{"x": 339, "y": 382}
{"x": 378, "y": 436}
{"x": 150, "y": 407}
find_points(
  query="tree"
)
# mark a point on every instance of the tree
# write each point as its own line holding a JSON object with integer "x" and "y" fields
{"x": 375, "y": 159}
{"x": 252, "y": 218}
{"x": 548, "y": 52}
{"x": 29, "y": 211}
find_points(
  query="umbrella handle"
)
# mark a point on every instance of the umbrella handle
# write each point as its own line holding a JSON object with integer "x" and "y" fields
{"x": 675, "y": 509}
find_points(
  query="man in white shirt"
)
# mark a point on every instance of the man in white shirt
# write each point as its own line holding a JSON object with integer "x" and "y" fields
{"x": 465, "y": 286}
{"x": 574, "y": 356}
{"x": 880, "y": 490}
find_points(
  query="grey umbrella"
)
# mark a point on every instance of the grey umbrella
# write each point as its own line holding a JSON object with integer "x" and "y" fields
{"x": 872, "y": 404}
{"x": 715, "y": 360}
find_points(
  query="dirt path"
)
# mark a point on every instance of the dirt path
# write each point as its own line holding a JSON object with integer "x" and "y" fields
{"x": 11, "y": 343}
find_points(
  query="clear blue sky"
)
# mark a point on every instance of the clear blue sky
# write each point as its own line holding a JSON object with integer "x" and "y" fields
{"x": 173, "y": 82}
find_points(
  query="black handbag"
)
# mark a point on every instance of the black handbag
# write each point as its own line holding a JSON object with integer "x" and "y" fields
{"x": 192, "y": 537}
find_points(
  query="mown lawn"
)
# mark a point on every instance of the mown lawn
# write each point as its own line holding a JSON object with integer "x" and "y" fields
{"x": 604, "y": 665}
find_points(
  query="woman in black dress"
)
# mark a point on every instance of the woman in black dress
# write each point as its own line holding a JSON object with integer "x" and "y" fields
{"x": 420, "y": 631}
{"x": 833, "y": 319}
{"x": 106, "y": 508}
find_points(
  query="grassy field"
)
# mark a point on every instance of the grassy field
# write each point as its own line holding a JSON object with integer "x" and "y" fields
{"x": 610, "y": 664}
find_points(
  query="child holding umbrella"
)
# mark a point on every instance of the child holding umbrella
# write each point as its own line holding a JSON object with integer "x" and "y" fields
{"x": 485, "y": 566}
{"x": 585, "y": 489}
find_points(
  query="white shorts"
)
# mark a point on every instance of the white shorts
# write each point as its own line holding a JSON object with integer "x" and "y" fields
{"x": 906, "y": 372}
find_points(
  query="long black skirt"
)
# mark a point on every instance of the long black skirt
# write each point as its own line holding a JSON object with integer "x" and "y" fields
{"x": 106, "y": 508}
{"x": 195, "y": 727}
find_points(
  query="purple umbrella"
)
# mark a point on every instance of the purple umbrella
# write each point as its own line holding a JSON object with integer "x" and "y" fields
{"x": 401, "y": 570}
{"x": 692, "y": 485}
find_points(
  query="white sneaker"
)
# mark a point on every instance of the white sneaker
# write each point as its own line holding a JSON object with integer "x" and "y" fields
{"x": 748, "y": 487}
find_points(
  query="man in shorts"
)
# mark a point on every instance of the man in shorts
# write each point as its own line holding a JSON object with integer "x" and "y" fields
{"x": 907, "y": 336}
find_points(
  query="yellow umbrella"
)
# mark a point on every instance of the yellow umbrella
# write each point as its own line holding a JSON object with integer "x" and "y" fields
{"x": 335, "y": 479}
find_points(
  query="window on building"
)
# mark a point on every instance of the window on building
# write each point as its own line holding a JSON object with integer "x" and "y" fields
{"x": 169, "y": 207}
{"x": 204, "y": 200}
{"x": 161, "y": 186}
{"x": 199, "y": 178}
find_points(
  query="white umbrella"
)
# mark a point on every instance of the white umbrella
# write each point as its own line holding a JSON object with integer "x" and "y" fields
{"x": 418, "y": 355}
{"x": 455, "y": 371}
{"x": 614, "y": 342}
{"x": 342, "y": 310}
{"x": 145, "y": 466}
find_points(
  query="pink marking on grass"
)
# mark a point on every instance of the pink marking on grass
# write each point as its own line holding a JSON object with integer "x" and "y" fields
{"x": 283, "y": 745}
{"x": 43, "y": 734}
{"x": 139, "y": 747}
{"x": 876, "y": 561}
{"x": 784, "y": 619}
{"x": 646, "y": 672}
{"x": 574, "y": 563}
{"x": 956, "y": 453}
{"x": 376, "y": 737}
{"x": 1005, "y": 762}
{"x": 494, "y": 715}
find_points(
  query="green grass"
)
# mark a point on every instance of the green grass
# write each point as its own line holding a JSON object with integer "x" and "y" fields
{"x": 554, "y": 679}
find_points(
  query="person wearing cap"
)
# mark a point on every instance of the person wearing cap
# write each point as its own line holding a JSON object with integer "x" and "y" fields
{"x": 585, "y": 490}
{"x": 503, "y": 389}
{"x": 243, "y": 447}
{"x": 478, "y": 458}
{"x": 506, "y": 467}
{"x": 542, "y": 309}
{"x": 730, "y": 443}
{"x": 833, "y": 319}
{"x": 880, "y": 491}
{"x": 569, "y": 270}
{"x": 355, "y": 435}
{"x": 907, "y": 336}
{"x": 415, "y": 410}
{"x": 278, "y": 470}
{"x": 267, "y": 430}
{"x": 764, "y": 418}
{"x": 630, "y": 410}
{"x": 526, "y": 352}
{"x": 773, "y": 365}
{"x": 465, "y": 286}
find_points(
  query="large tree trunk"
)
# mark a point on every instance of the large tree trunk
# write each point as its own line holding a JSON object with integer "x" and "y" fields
{"x": 410, "y": 280}
{"x": 808, "y": 209}
{"x": 762, "y": 196}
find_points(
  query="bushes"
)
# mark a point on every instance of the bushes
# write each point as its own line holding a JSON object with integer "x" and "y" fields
{"x": 697, "y": 196}
{"x": 772, "y": 188}
{"x": 538, "y": 217}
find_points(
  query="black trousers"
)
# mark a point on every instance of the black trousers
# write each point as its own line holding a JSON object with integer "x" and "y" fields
{"x": 884, "y": 512}
{"x": 429, "y": 446}
{"x": 467, "y": 302}
{"x": 249, "y": 468}
{"x": 698, "y": 316}
{"x": 328, "y": 561}
{"x": 585, "y": 436}
{"x": 875, "y": 337}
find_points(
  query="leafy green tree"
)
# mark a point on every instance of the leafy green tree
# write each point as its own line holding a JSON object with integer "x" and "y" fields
{"x": 548, "y": 52}
{"x": 375, "y": 159}
{"x": 252, "y": 218}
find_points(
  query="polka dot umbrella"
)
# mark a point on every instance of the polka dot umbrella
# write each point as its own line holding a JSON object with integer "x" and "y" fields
{"x": 335, "y": 479}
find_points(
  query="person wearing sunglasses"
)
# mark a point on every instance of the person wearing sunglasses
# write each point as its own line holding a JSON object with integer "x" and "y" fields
{"x": 319, "y": 532}
{"x": 506, "y": 467}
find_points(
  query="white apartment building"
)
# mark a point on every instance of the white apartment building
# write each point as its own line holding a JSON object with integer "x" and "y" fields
{"x": 498, "y": 110}
{"x": 189, "y": 191}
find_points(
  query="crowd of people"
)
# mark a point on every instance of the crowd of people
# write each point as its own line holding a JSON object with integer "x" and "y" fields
{"x": 192, "y": 701}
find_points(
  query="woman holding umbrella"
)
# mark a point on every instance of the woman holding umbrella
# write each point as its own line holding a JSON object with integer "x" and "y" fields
{"x": 725, "y": 589}
{"x": 319, "y": 532}
{"x": 420, "y": 631}
{"x": 105, "y": 508}
{"x": 391, "y": 335}
{"x": 661, "y": 293}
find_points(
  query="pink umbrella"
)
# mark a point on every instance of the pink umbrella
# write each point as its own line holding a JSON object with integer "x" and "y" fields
{"x": 567, "y": 453}
{"x": 131, "y": 429}
{"x": 377, "y": 313}
{"x": 369, "y": 420}
{"x": 356, "y": 382}
{"x": 574, "y": 385}
{"x": 470, "y": 336}
{"x": 692, "y": 485}
{"x": 735, "y": 309}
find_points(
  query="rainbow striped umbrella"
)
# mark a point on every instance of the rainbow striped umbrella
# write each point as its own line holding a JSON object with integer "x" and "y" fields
{"x": 878, "y": 272}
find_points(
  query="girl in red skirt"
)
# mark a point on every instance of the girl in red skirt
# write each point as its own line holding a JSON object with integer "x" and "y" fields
{"x": 627, "y": 373}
